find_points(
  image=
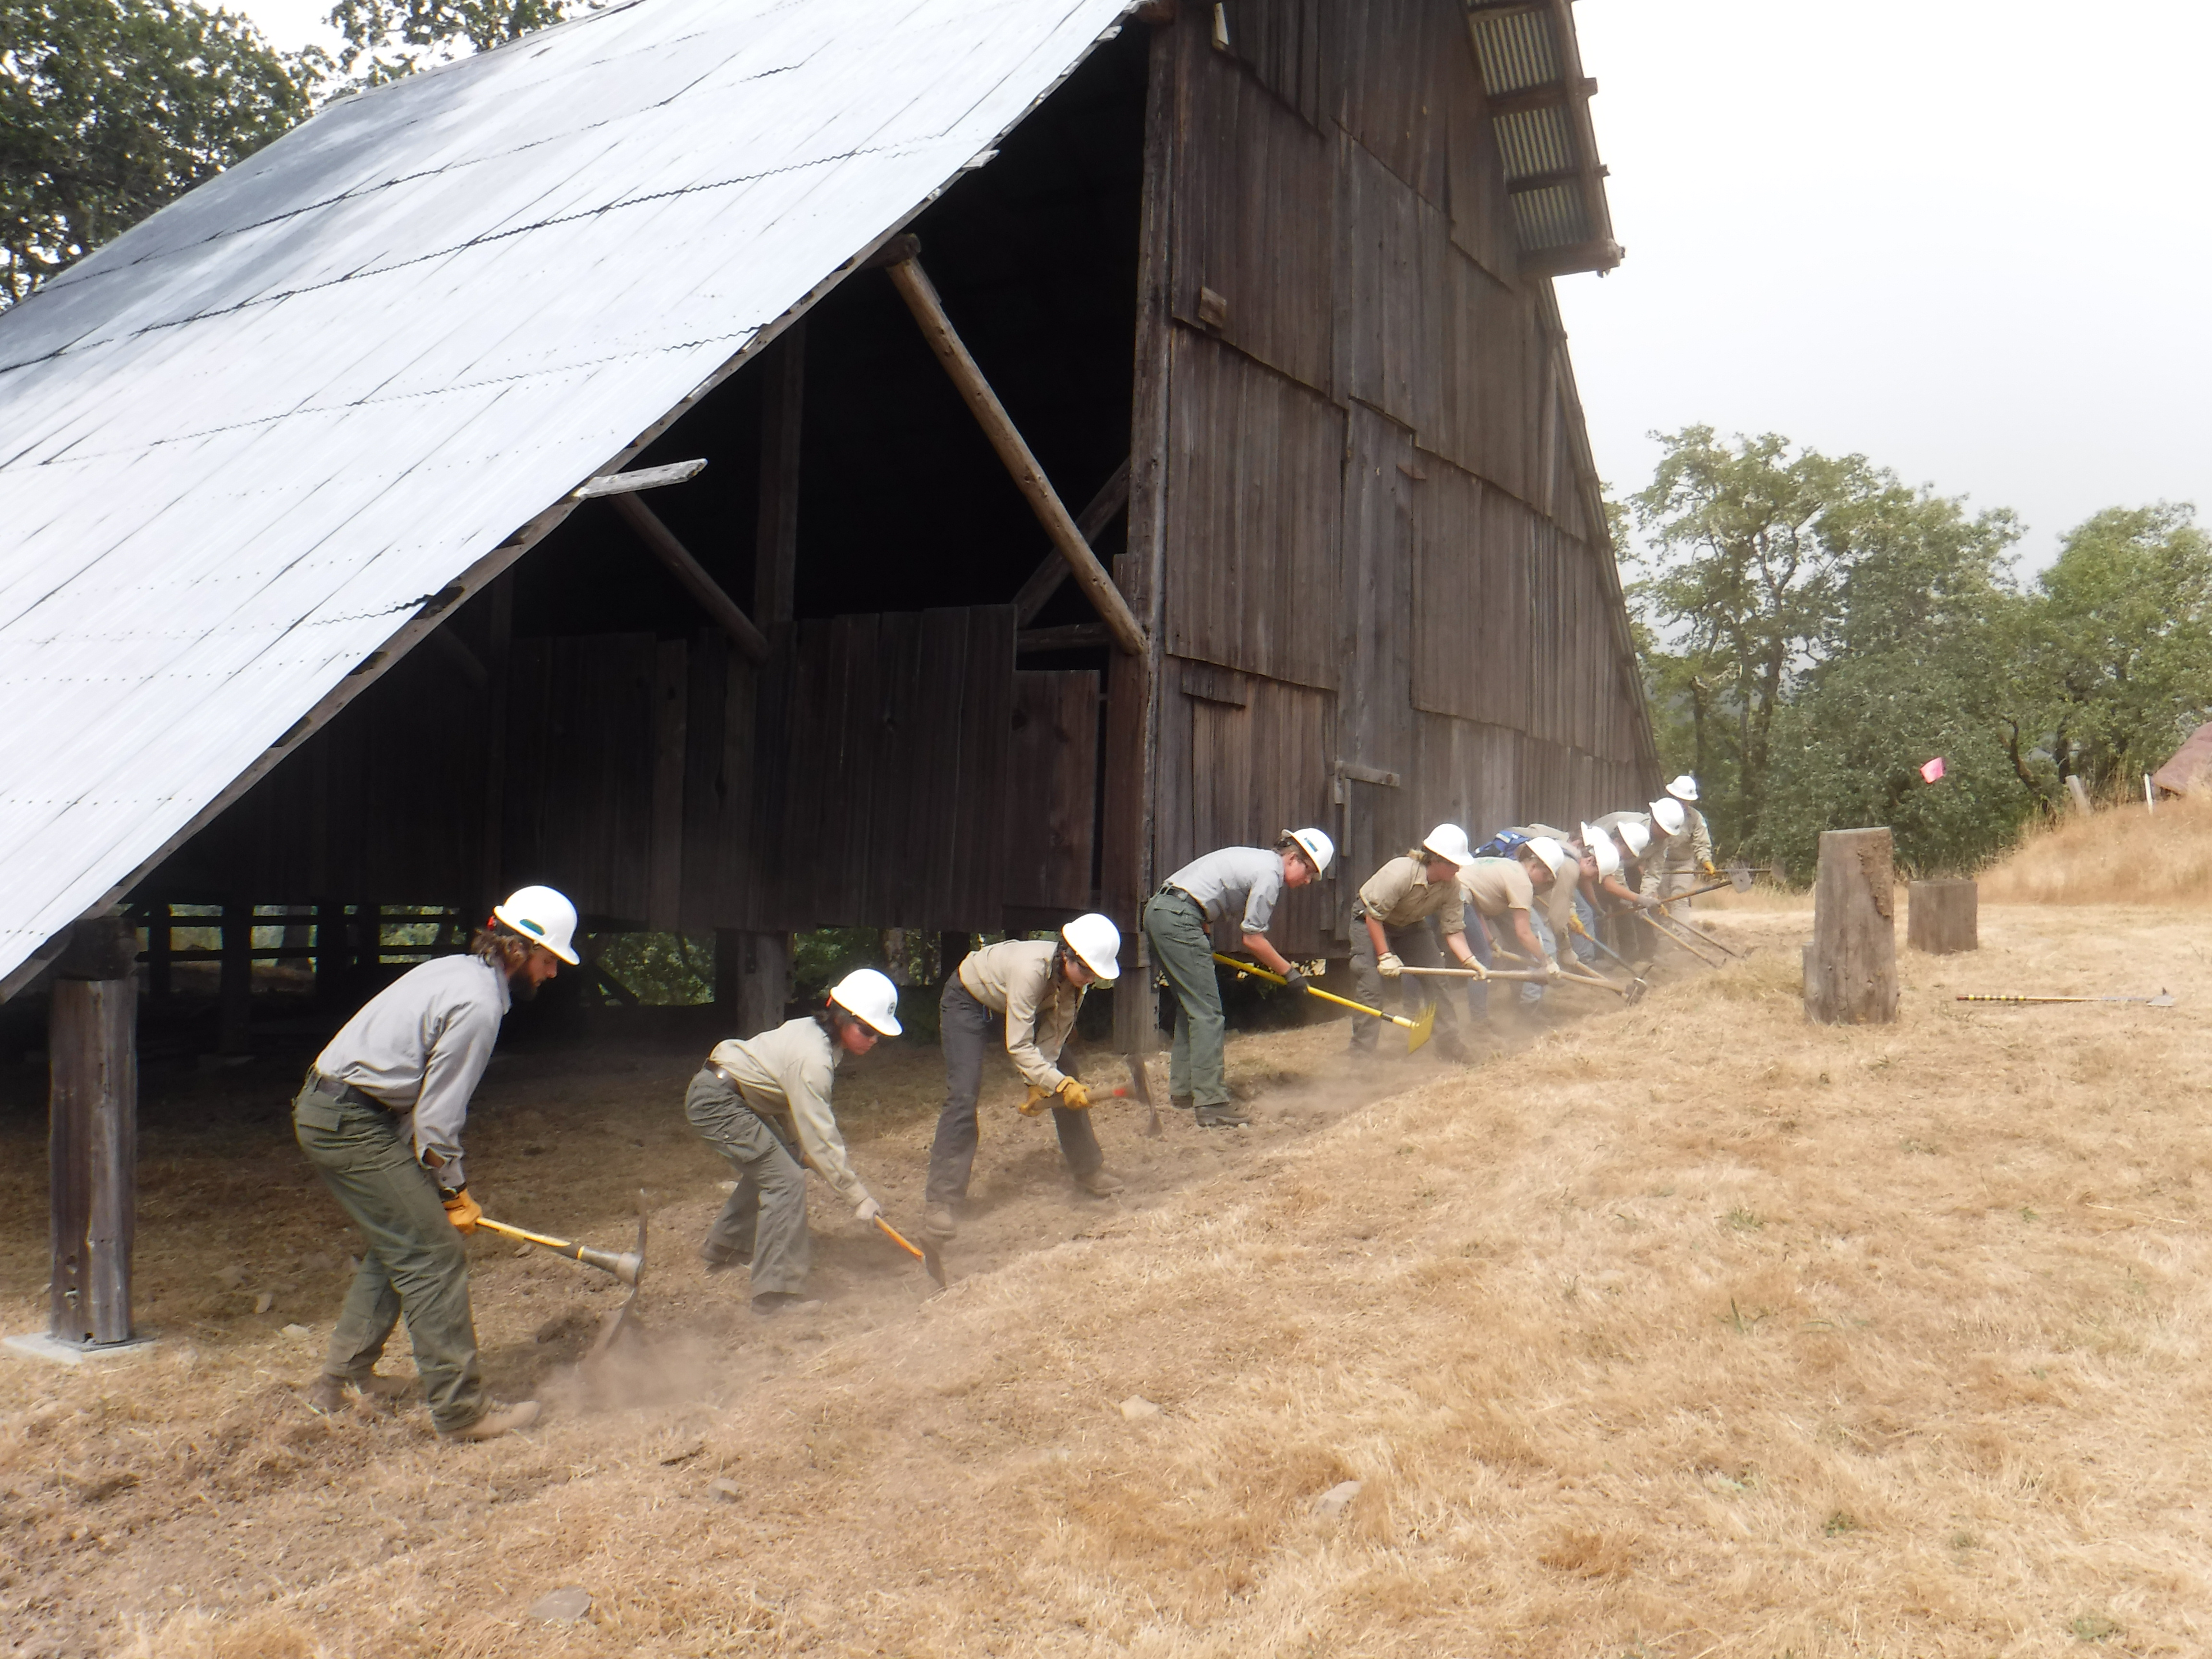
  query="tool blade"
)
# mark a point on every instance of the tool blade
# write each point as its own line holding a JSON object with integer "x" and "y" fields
{"x": 1740, "y": 878}
{"x": 1422, "y": 1028}
{"x": 1140, "y": 1080}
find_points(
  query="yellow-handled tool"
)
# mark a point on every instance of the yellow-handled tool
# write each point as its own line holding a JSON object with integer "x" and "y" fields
{"x": 925, "y": 1253}
{"x": 629, "y": 1266}
{"x": 1417, "y": 1031}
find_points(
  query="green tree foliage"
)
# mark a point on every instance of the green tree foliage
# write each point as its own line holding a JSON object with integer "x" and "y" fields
{"x": 388, "y": 39}
{"x": 2110, "y": 664}
{"x": 110, "y": 108}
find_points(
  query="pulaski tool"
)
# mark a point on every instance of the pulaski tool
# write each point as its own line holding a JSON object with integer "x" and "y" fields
{"x": 2163, "y": 999}
{"x": 628, "y": 1266}
{"x": 925, "y": 1253}
{"x": 1417, "y": 1031}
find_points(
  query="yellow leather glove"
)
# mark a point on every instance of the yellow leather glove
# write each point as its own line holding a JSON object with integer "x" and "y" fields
{"x": 1034, "y": 1102}
{"x": 463, "y": 1211}
{"x": 1707, "y": 867}
{"x": 1072, "y": 1095}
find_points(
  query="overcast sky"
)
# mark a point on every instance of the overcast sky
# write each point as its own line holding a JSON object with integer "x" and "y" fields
{"x": 1964, "y": 238}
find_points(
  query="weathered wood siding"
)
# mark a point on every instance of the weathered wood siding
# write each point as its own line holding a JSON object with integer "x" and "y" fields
{"x": 1386, "y": 600}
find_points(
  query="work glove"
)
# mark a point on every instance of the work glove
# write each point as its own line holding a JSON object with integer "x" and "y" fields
{"x": 1551, "y": 969}
{"x": 1647, "y": 901}
{"x": 1294, "y": 980}
{"x": 1034, "y": 1102}
{"x": 462, "y": 1210}
{"x": 1389, "y": 966}
{"x": 1710, "y": 873}
{"x": 867, "y": 1211}
{"x": 1072, "y": 1095}
{"x": 1473, "y": 965}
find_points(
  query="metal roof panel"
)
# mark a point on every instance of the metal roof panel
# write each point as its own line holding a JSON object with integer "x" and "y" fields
{"x": 241, "y": 443}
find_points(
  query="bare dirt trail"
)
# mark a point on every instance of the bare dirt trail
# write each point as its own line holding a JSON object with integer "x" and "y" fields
{"x": 1682, "y": 1330}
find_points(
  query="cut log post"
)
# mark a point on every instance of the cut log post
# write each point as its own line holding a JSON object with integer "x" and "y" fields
{"x": 1943, "y": 917}
{"x": 1851, "y": 966}
{"x": 92, "y": 1044}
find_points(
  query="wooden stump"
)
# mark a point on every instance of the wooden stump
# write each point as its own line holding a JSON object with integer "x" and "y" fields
{"x": 1943, "y": 918}
{"x": 91, "y": 1146}
{"x": 1851, "y": 966}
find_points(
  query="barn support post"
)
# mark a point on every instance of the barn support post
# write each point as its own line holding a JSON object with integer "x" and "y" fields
{"x": 492, "y": 847}
{"x": 1851, "y": 966}
{"x": 160, "y": 981}
{"x": 235, "y": 997}
{"x": 1133, "y": 685}
{"x": 93, "y": 1136}
{"x": 752, "y": 979}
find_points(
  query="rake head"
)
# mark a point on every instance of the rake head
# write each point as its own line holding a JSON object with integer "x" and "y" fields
{"x": 1420, "y": 1031}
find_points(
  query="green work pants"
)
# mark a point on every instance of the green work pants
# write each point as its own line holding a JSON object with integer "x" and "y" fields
{"x": 1183, "y": 945}
{"x": 765, "y": 1220}
{"x": 415, "y": 1267}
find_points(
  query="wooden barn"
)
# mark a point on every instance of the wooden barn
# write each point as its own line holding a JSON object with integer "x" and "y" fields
{"x": 1125, "y": 431}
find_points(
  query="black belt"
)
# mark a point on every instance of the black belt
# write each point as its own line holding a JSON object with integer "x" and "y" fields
{"x": 345, "y": 1093}
{"x": 1171, "y": 891}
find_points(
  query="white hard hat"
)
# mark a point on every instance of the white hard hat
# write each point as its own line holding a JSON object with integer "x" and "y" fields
{"x": 869, "y": 996}
{"x": 1448, "y": 840}
{"x": 1554, "y": 855}
{"x": 1603, "y": 849}
{"x": 1098, "y": 943}
{"x": 1635, "y": 837}
{"x": 1684, "y": 787}
{"x": 543, "y": 916}
{"x": 1319, "y": 847}
{"x": 1667, "y": 813}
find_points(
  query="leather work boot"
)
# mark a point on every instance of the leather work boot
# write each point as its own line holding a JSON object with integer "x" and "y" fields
{"x": 770, "y": 1304}
{"x": 1101, "y": 1183}
{"x": 499, "y": 1420}
{"x": 937, "y": 1221}
{"x": 722, "y": 1262}
{"x": 325, "y": 1395}
{"x": 1221, "y": 1117}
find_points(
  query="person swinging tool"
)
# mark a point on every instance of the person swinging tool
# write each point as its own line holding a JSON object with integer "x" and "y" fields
{"x": 380, "y": 1116}
{"x": 1391, "y": 929}
{"x": 763, "y": 1103}
{"x": 1177, "y": 920}
{"x": 1035, "y": 986}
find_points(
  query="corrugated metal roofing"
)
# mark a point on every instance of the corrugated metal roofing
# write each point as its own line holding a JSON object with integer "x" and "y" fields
{"x": 241, "y": 445}
{"x": 1526, "y": 48}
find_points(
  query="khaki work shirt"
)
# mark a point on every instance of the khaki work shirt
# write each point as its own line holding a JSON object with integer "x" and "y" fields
{"x": 1016, "y": 979}
{"x": 786, "y": 1075}
{"x": 1401, "y": 894}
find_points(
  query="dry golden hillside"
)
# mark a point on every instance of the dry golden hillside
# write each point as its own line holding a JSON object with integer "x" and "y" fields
{"x": 2122, "y": 855}
{"x": 1684, "y": 1330}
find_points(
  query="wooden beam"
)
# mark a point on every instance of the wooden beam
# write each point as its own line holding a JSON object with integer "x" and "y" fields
{"x": 1550, "y": 95}
{"x": 895, "y": 251}
{"x": 646, "y": 478}
{"x": 1528, "y": 182}
{"x": 1600, "y": 255}
{"x": 93, "y": 1132}
{"x": 775, "y": 538}
{"x": 693, "y": 575}
{"x": 1076, "y": 636}
{"x": 1113, "y": 495}
{"x": 915, "y": 287}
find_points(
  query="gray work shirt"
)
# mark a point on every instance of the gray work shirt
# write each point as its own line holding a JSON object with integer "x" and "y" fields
{"x": 419, "y": 1048}
{"x": 1246, "y": 877}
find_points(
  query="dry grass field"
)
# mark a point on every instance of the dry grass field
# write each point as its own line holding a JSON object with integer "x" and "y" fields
{"x": 1683, "y": 1330}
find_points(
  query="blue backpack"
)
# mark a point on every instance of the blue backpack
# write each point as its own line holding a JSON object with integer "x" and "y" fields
{"x": 1503, "y": 845}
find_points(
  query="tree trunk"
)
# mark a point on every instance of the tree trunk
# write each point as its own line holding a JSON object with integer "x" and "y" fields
{"x": 752, "y": 979}
{"x": 1944, "y": 917}
{"x": 1851, "y": 966}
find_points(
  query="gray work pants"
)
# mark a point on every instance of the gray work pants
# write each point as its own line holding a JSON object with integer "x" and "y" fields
{"x": 1415, "y": 946}
{"x": 1182, "y": 947}
{"x": 414, "y": 1267}
{"x": 968, "y": 1026}
{"x": 765, "y": 1221}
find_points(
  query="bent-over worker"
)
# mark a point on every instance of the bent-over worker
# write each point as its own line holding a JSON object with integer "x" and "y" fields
{"x": 1035, "y": 987}
{"x": 1687, "y": 852}
{"x": 763, "y": 1103}
{"x": 380, "y": 1118}
{"x": 1392, "y": 929}
{"x": 1179, "y": 921}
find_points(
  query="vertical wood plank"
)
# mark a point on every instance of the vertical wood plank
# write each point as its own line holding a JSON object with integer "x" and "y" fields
{"x": 499, "y": 663}
{"x": 775, "y": 542}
